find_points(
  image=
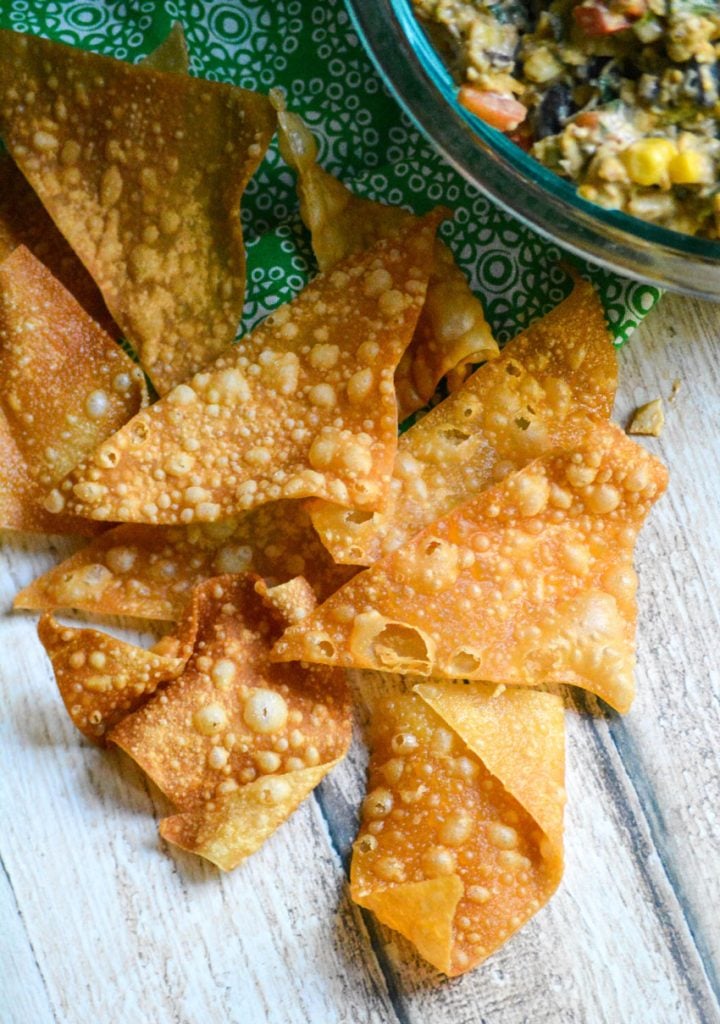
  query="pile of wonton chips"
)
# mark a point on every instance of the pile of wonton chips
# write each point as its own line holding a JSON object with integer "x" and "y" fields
{"x": 266, "y": 506}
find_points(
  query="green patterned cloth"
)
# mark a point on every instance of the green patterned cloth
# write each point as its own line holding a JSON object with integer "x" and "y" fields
{"x": 308, "y": 48}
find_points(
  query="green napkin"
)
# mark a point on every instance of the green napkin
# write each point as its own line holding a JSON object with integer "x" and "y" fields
{"x": 308, "y": 48}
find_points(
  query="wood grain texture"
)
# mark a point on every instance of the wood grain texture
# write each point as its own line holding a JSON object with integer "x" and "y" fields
{"x": 100, "y": 920}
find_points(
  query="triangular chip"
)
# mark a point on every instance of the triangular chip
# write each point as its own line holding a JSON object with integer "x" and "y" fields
{"x": 142, "y": 171}
{"x": 233, "y": 717}
{"x": 227, "y": 830}
{"x": 451, "y": 850}
{"x": 518, "y": 734}
{"x": 66, "y": 386}
{"x": 509, "y": 412}
{"x": 101, "y": 679}
{"x": 421, "y": 911}
{"x": 25, "y": 221}
{"x": 530, "y": 582}
{"x": 149, "y": 571}
{"x": 451, "y": 331}
{"x": 303, "y": 406}
{"x": 171, "y": 54}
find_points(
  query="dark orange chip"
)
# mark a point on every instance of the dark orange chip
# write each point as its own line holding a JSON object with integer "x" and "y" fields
{"x": 66, "y": 386}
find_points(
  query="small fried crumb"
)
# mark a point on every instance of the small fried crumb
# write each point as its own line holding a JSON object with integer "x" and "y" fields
{"x": 648, "y": 419}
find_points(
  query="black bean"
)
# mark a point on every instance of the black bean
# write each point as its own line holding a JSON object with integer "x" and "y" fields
{"x": 556, "y": 107}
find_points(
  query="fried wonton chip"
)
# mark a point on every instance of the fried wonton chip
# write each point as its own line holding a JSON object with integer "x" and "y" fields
{"x": 510, "y": 411}
{"x": 461, "y": 839}
{"x": 304, "y": 406}
{"x": 149, "y": 571}
{"x": 171, "y": 54}
{"x": 452, "y": 331}
{"x": 233, "y": 718}
{"x": 142, "y": 171}
{"x": 530, "y": 582}
{"x": 65, "y": 387}
{"x": 101, "y": 679}
{"x": 25, "y": 221}
{"x": 228, "y": 830}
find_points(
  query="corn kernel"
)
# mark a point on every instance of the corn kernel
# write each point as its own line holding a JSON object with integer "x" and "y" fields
{"x": 647, "y": 160}
{"x": 689, "y": 168}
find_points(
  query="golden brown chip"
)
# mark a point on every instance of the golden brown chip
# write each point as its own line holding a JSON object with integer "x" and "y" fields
{"x": 142, "y": 171}
{"x": 461, "y": 836}
{"x": 100, "y": 678}
{"x": 149, "y": 571}
{"x": 66, "y": 386}
{"x": 303, "y": 406}
{"x": 530, "y": 582}
{"x": 509, "y": 412}
{"x": 25, "y": 221}
{"x": 171, "y": 54}
{"x": 233, "y": 718}
{"x": 452, "y": 331}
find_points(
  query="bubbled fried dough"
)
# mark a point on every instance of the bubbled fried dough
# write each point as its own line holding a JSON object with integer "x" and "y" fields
{"x": 149, "y": 571}
{"x": 526, "y": 402}
{"x": 530, "y": 582}
{"x": 451, "y": 331}
{"x": 142, "y": 171}
{"x": 66, "y": 386}
{"x": 233, "y": 717}
{"x": 448, "y": 851}
{"x": 305, "y": 405}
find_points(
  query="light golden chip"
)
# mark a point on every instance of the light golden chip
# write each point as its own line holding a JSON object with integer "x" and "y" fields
{"x": 227, "y": 830}
{"x": 66, "y": 386}
{"x": 25, "y": 221}
{"x": 149, "y": 571}
{"x": 142, "y": 171}
{"x": 100, "y": 678}
{"x": 509, "y": 412}
{"x": 530, "y": 582}
{"x": 233, "y": 718}
{"x": 452, "y": 331}
{"x": 304, "y": 406}
{"x": 461, "y": 838}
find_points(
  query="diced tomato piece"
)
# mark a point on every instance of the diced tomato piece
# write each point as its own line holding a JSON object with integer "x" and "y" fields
{"x": 522, "y": 137}
{"x": 594, "y": 19}
{"x": 588, "y": 119}
{"x": 499, "y": 111}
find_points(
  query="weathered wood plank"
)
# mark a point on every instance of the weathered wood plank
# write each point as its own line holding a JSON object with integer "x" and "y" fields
{"x": 669, "y": 741}
{"x": 23, "y": 995}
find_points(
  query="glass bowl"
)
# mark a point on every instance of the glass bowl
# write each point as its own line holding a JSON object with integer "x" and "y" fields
{"x": 417, "y": 77}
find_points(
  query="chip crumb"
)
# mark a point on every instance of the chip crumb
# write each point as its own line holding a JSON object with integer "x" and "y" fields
{"x": 648, "y": 419}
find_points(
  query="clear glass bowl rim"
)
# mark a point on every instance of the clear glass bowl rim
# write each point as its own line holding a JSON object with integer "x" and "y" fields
{"x": 416, "y": 75}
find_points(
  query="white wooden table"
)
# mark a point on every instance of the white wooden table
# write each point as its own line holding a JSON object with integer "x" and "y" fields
{"x": 98, "y": 922}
